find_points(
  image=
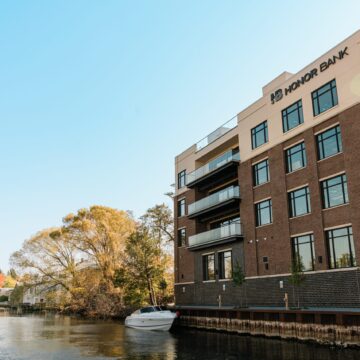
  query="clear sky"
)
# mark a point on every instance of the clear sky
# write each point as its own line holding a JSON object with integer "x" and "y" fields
{"x": 97, "y": 97}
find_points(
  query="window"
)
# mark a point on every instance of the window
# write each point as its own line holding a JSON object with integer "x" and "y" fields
{"x": 225, "y": 222}
{"x": 334, "y": 191}
{"x": 181, "y": 207}
{"x": 299, "y": 202}
{"x": 329, "y": 143}
{"x": 259, "y": 135}
{"x": 181, "y": 179}
{"x": 292, "y": 116}
{"x": 209, "y": 267}
{"x": 263, "y": 211}
{"x": 261, "y": 172}
{"x": 181, "y": 237}
{"x": 303, "y": 251}
{"x": 341, "y": 248}
{"x": 324, "y": 98}
{"x": 295, "y": 157}
{"x": 225, "y": 265}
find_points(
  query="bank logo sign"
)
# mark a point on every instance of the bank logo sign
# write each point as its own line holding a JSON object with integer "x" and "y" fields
{"x": 280, "y": 93}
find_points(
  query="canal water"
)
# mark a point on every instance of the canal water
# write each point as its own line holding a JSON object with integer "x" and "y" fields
{"x": 54, "y": 337}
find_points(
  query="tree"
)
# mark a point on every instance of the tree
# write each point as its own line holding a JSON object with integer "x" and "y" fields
{"x": 239, "y": 278}
{"x": 99, "y": 234}
{"x": 160, "y": 222}
{"x": 144, "y": 265}
{"x": 48, "y": 257}
{"x": 297, "y": 277}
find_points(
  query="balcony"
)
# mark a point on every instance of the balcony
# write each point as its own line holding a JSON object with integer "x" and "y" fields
{"x": 216, "y": 236}
{"x": 216, "y": 134}
{"x": 216, "y": 171}
{"x": 222, "y": 200}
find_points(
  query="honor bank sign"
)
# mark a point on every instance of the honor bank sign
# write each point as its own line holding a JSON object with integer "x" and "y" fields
{"x": 280, "y": 93}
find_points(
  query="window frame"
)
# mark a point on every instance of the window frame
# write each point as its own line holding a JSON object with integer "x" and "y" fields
{"x": 320, "y": 140}
{"x": 263, "y": 126}
{"x": 221, "y": 264}
{"x": 181, "y": 207}
{"x": 288, "y": 157}
{"x": 285, "y": 113}
{"x": 205, "y": 266}
{"x": 295, "y": 246}
{"x": 256, "y": 170}
{"x": 181, "y": 239}
{"x": 331, "y": 247}
{"x": 182, "y": 179}
{"x": 292, "y": 201}
{"x": 258, "y": 212}
{"x": 325, "y": 191}
{"x": 315, "y": 96}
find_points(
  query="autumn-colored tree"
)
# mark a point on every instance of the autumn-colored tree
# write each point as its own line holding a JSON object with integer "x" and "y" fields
{"x": 48, "y": 257}
{"x": 160, "y": 223}
{"x": 145, "y": 264}
{"x": 100, "y": 233}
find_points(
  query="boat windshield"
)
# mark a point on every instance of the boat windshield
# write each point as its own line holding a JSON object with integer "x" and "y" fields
{"x": 150, "y": 309}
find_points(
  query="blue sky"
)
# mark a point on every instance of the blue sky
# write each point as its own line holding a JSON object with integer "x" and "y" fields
{"x": 97, "y": 97}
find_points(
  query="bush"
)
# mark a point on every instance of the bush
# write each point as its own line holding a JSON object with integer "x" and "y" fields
{"x": 4, "y": 298}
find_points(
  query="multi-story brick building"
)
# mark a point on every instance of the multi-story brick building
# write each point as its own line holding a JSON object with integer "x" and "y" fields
{"x": 277, "y": 183}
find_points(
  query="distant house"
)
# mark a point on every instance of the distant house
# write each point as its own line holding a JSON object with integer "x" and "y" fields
{"x": 34, "y": 295}
{"x": 6, "y": 292}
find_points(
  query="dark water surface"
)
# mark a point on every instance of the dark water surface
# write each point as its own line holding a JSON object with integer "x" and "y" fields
{"x": 56, "y": 337}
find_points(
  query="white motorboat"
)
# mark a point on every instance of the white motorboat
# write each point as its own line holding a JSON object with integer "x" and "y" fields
{"x": 151, "y": 318}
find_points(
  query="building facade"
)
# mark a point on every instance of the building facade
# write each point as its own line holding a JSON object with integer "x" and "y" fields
{"x": 277, "y": 185}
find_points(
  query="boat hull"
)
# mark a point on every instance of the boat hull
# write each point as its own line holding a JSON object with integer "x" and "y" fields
{"x": 159, "y": 324}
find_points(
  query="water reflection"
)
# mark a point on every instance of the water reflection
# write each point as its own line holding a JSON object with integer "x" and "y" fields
{"x": 59, "y": 338}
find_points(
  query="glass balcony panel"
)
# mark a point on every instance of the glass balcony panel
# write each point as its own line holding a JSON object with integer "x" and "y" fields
{"x": 212, "y": 165}
{"x": 214, "y": 199}
{"x": 220, "y": 131}
{"x": 215, "y": 235}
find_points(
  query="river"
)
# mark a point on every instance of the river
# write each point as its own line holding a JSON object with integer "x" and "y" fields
{"x": 55, "y": 337}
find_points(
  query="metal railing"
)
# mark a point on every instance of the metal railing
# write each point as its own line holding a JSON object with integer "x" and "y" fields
{"x": 219, "y": 197}
{"x": 215, "y": 235}
{"x": 212, "y": 165}
{"x": 220, "y": 131}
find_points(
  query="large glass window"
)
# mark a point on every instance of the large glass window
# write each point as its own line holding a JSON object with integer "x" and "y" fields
{"x": 299, "y": 202}
{"x": 292, "y": 116}
{"x": 334, "y": 191}
{"x": 181, "y": 207}
{"x": 329, "y": 142}
{"x": 259, "y": 135}
{"x": 225, "y": 265}
{"x": 181, "y": 237}
{"x": 324, "y": 98}
{"x": 263, "y": 211}
{"x": 303, "y": 251}
{"x": 341, "y": 247}
{"x": 295, "y": 157}
{"x": 261, "y": 172}
{"x": 181, "y": 179}
{"x": 209, "y": 267}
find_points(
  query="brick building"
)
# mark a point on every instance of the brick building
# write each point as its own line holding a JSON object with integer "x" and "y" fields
{"x": 277, "y": 184}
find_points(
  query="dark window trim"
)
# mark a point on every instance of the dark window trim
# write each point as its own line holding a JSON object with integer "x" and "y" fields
{"x": 181, "y": 240}
{"x": 258, "y": 128}
{"x": 256, "y": 170}
{"x": 181, "y": 179}
{"x": 331, "y": 246}
{"x": 181, "y": 204}
{"x": 258, "y": 221}
{"x": 221, "y": 263}
{"x": 292, "y": 201}
{"x": 325, "y": 191}
{"x": 205, "y": 263}
{"x": 320, "y": 139}
{"x": 289, "y": 155}
{"x": 295, "y": 248}
{"x": 285, "y": 116}
{"x": 317, "y": 93}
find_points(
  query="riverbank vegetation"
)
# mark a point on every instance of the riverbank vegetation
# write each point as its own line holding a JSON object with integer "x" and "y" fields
{"x": 100, "y": 262}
